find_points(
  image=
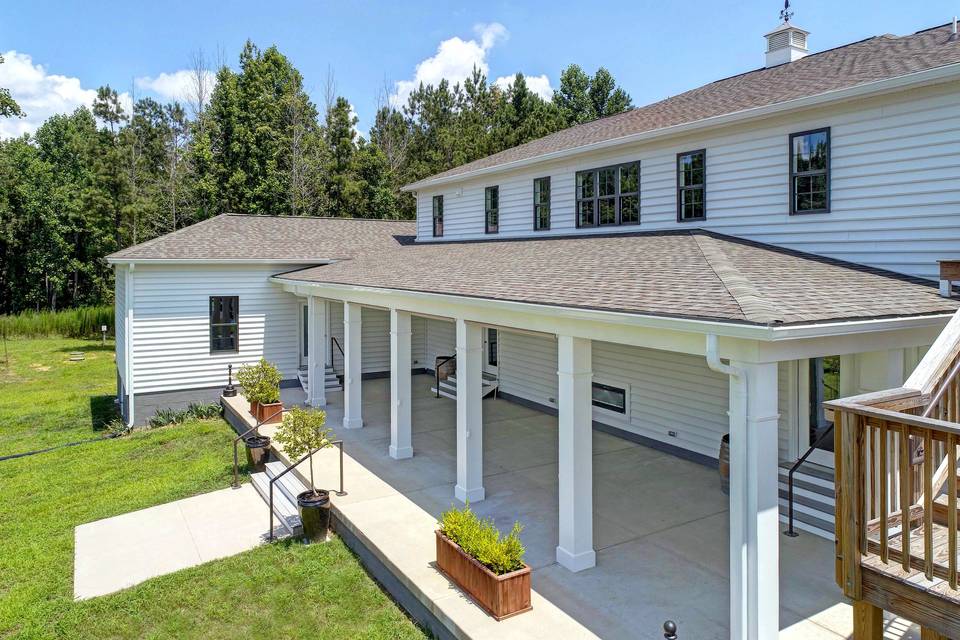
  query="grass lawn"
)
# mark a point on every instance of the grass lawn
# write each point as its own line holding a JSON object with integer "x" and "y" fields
{"x": 280, "y": 590}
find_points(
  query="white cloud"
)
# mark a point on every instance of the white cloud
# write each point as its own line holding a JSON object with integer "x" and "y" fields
{"x": 41, "y": 94}
{"x": 539, "y": 85}
{"x": 454, "y": 61}
{"x": 175, "y": 86}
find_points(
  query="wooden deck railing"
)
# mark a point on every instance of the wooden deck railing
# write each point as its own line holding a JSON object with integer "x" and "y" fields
{"x": 896, "y": 469}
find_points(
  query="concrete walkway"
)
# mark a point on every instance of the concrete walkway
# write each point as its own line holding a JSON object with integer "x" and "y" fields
{"x": 119, "y": 552}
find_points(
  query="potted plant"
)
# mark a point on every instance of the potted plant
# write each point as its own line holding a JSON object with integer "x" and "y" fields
{"x": 261, "y": 387}
{"x": 304, "y": 432}
{"x": 487, "y": 565}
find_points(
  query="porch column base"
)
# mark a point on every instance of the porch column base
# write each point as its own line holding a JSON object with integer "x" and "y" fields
{"x": 469, "y": 495}
{"x": 576, "y": 561}
{"x": 352, "y": 423}
{"x": 400, "y": 453}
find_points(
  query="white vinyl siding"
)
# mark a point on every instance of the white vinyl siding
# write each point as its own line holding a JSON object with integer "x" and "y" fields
{"x": 171, "y": 325}
{"x": 441, "y": 340}
{"x": 894, "y": 192}
{"x": 528, "y": 366}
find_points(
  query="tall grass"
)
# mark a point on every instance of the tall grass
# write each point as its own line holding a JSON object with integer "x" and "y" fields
{"x": 82, "y": 322}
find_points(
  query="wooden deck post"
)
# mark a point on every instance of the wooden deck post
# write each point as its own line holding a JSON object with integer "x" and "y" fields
{"x": 930, "y": 634}
{"x": 867, "y": 621}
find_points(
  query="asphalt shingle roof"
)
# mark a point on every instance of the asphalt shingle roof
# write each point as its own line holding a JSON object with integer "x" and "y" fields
{"x": 233, "y": 236}
{"x": 870, "y": 60}
{"x": 687, "y": 274}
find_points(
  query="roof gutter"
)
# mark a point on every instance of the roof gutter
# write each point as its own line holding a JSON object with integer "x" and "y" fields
{"x": 317, "y": 261}
{"x": 937, "y": 75}
{"x": 718, "y": 328}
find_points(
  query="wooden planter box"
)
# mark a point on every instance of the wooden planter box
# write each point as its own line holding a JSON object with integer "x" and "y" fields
{"x": 268, "y": 410}
{"x": 501, "y": 596}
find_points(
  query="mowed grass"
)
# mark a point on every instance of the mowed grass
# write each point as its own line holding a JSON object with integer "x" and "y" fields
{"x": 282, "y": 590}
{"x": 47, "y": 400}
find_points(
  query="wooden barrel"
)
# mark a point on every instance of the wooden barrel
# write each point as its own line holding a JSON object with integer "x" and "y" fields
{"x": 724, "y": 464}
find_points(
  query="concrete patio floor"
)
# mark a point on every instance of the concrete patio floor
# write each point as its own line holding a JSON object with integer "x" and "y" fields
{"x": 660, "y": 527}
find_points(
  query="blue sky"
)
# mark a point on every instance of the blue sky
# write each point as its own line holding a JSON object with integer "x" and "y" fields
{"x": 64, "y": 50}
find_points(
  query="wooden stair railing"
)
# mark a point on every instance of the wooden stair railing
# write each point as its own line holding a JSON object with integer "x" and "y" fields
{"x": 896, "y": 489}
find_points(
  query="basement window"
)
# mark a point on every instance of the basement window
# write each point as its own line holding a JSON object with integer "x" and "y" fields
{"x": 609, "y": 196}
{"x": 224, "y": 324}
{"x": 437, "y": 216}
{"x": 491, "y": 206}
{"x": 691, "y": 185}
{"x": 810, "y": 172}
{"x": 609, "y": 397}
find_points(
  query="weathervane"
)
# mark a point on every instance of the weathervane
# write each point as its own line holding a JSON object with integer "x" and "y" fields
{"x": 785, "y": 13}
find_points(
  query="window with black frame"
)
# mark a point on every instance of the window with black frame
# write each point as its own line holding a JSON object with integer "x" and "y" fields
{"x": 691, "y": 185}
{"x": 810, "y": 172}
{"x": 491, "y": 198}
{"x": 608, "y": 196}
{"x": 608, "y": 397}
{"x": 224, "y": 324}
{"x": 437, "y": 216}
{"x": 541, "y": 204}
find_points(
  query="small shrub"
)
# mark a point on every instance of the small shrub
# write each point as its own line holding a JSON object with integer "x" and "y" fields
{"x": 117, "y": 428}
{"x": 204, "y": 410}
{"x": 260, "y": 382}
{"x": 303, "y": 431}
{"x": 194, "y": 411}
{"x": 480, "y": 539}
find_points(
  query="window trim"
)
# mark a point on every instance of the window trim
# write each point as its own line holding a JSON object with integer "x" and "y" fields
{"x": 211, "y": 324}
{"x": 549, "y": 203}
{"x": 792, "y": 205}
{"x": 437, "y": 198}
{"x": 595, "y": 172}
{"x": 703, "y": 185}
{"x": 488, "y": 228}
{"x": 613, "y": 386}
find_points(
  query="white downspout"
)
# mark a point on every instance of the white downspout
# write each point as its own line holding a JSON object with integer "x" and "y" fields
{"x": 739, "y": 580}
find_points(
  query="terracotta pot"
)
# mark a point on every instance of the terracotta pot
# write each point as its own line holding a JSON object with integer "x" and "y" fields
{"x": 502, "y": 596}
{"x": 254, "y": 407}
{"x": 271, "y": 413}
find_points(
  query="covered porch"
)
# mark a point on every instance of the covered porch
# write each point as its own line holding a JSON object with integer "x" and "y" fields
{"x": 660, "y": 526}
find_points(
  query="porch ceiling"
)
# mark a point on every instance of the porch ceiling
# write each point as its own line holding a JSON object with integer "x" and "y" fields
{"x": 692, "y": 274}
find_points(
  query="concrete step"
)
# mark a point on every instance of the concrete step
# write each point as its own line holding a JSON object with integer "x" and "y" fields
{"x": 285, "y": 492}
{"x": 285, "y": 510}
{"x": 813, "y": 498}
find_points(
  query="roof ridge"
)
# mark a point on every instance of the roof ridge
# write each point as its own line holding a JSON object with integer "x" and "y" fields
{"x": 754, "y": 306}
{"x": 310, "y": 217}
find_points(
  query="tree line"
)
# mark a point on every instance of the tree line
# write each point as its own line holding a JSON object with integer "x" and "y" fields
{"x": 88, "y": 183}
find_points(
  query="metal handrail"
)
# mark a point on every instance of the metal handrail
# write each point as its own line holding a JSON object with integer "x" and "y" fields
{"x": 336, "y": 343}
{"x": 436, "y": 370}
{"x": 236, "y": 461}
{"x": 341, "y": 492}
{"x": 791, "y": 532}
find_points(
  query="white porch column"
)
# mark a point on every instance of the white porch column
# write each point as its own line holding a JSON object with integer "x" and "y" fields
{"x": 400, "y": 411}
{"x": 469, "y": 412}
{"x": 575, "y": 550}
{"x": 352, "y": 374}
{"x": 754, "y": 523}
{"x": 316, "y": 351}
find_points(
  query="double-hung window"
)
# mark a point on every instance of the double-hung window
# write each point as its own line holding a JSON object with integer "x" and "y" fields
{"x": 491, "y": 206}
{"x": 224, "y": 324}
{"x": 541, "y": 204}
{"x": 810, "y": 172}
{"x": 609, "y": 196}
{"x": 691, "y": 185}
{"x": 437, "y": 216}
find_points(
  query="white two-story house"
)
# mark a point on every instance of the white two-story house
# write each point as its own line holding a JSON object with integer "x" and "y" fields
{"x": 716, "y": 263}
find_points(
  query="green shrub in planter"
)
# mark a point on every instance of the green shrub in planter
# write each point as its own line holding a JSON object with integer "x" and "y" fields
{"x": 260, "y": 382}
{"x": 480, "y": 539}
{"x": 304, "y": 431}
